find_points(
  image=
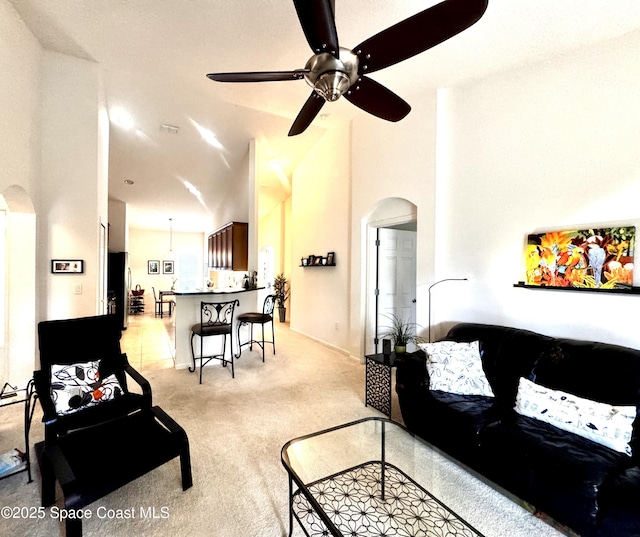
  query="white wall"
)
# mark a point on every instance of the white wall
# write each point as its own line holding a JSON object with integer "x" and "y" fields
{"x": 548, "y": 147}
{"x": 20, "y": 82}
{"x": 72, "y": 194}
{"x": 145, "y": 245}
{"x": 320, "y": 211}
{"x": 392, "y": 160}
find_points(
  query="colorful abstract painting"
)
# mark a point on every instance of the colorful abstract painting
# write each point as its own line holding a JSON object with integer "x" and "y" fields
{"x": 589, "y": 258}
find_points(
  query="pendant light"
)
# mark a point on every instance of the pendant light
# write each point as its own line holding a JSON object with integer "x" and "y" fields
{"x": 170, "y": 254}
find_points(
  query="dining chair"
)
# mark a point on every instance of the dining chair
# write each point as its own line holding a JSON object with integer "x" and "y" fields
{"x": 216, "y": 319}
{"x": 251, "y": 318}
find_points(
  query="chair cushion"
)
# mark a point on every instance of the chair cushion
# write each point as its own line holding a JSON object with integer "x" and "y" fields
{"x": 81, "y": 385}
{"x": 211, "y": 329}
{"x": 260, "y": 318}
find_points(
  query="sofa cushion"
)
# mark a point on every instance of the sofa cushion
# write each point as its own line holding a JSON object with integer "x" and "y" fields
{"x": 456, "y": 367}
{"x": 605, "y": 424}
{"x": 507, "y": 354}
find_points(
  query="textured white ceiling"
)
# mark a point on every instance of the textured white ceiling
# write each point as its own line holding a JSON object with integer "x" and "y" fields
{"x": 155, "y": 55}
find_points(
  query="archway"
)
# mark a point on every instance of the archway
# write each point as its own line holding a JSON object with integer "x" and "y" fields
{"x": 17, "y": 286}
{"x": 391, "y": 236}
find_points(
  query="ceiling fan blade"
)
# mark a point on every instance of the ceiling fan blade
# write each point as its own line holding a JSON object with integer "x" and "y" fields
{"x": 307, "y": 114}
{"x": 374, "y": 98}
{"x": 264, "y": 76}
{"x": 319, "y": 25}
{"x": 418, "y": 33}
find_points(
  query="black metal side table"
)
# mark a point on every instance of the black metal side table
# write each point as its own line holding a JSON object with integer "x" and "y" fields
{"x": 378, "y": 381}
{"x": 12, "y": 396}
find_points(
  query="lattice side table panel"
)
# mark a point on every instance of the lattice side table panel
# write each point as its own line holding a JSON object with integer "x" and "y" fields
{"x": 378, "y": 386}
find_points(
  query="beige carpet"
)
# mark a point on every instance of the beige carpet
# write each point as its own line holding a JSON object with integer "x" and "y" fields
{"x": 236, "y": 428}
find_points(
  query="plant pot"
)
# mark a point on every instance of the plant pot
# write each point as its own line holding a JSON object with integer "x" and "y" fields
{"x": 282, "y": 313}
{"x": 400, "y": 349}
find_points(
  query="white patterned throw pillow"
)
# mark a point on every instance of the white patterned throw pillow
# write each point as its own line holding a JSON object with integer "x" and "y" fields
{"x": 456, "y": 367}
{"x": 611, "y": 426}
{"x": 77, "y": 386}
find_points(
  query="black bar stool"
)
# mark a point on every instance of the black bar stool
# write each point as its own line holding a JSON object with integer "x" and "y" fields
{"x": 216, "y": 319}
{"x": 258, "y": 318}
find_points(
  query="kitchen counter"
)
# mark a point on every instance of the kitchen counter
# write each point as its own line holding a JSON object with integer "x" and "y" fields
{"x": 187, "y": 314}
{"x": 215, "y": 291}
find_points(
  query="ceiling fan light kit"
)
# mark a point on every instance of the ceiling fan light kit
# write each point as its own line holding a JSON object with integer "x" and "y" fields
{"x": 334, "y": 71}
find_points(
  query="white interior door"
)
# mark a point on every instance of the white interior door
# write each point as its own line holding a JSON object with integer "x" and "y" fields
{"x": 396, "y": 276}
{"x": 395, "y": 257}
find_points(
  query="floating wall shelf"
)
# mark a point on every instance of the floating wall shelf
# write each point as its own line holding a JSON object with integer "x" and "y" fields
{"x": 619, "y": 291}
{"x": 319, "y": 261}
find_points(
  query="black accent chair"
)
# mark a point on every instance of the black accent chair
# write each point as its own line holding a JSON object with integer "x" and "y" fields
{"x": 263, "y": 318}
{"x": 216, "y": 319}
{"x": 95, "y": 444}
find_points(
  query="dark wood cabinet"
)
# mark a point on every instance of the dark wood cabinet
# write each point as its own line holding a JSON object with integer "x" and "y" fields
{"x": 228, "y": 247}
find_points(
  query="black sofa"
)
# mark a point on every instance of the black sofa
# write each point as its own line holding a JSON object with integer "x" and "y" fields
{"x": 592, "y": 489}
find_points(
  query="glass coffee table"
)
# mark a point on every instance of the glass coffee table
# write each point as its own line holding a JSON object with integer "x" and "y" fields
{"x": 372, "y": 477}
{"x": 355, "y": 479}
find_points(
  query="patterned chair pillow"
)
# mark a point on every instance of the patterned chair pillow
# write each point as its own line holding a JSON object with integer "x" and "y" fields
{"x": 456, "y": 368}
{"x": 605, "y": 424}
{"x": 78, "y": 386}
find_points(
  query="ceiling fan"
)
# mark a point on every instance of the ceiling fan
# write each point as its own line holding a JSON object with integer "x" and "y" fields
{"x": 334, "y": 71}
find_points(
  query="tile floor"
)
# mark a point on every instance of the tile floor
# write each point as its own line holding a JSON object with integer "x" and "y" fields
{"x": 149, "y": 342}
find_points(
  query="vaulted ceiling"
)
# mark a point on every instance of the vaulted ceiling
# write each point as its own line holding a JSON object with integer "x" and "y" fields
{"x": 154, "y": 55}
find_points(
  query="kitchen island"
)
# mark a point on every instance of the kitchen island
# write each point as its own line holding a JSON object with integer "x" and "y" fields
{"x": 187, "y": 314}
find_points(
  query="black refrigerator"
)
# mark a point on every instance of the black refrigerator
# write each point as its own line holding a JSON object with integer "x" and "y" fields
{"x": 118, "y": 286}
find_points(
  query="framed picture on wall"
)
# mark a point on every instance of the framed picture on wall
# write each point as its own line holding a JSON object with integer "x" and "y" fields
{"x": 153, "y": 266}
{"x": 167, "y": 267}
{"x": 67, "y": 266}
{"x": 331, "y": 258}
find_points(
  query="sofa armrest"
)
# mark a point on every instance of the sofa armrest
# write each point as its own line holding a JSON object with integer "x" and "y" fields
{"x": 412, "y": 387}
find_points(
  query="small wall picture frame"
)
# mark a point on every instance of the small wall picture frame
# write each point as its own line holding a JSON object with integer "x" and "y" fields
{"x": 67, "y": 266}
{"x": 153, "y": 266}
{"x": 331, "y": 258}
{"x": 311, "y": 259}
{"x": 317, "y": 260}
{"x": 167, "y": 266}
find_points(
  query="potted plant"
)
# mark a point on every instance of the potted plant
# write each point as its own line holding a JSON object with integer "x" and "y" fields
{"x": 282, "y": 290}
{"x": 402, "y": 333}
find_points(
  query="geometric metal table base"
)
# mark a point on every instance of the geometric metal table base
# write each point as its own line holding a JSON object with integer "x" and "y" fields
{"x": 378, "y": 386}
{"x": 361, "y": 502}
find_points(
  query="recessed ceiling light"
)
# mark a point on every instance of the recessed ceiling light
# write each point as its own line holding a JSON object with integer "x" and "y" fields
{"x": 129, "y": 182}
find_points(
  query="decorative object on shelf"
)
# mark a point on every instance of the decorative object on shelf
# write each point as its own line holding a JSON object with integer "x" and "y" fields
{"x": 67, "y": 266}
{"x": 402, "y": 333}
{"x": 587, "y": 259}
{"x": 319, "y": 261}
{"x": 153, "y": 266}
{"x": 167, "y": 267}
{"x": 282, "y": 290}
{"x": 137, "y": 291}
{"x": 429, "y": 292}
